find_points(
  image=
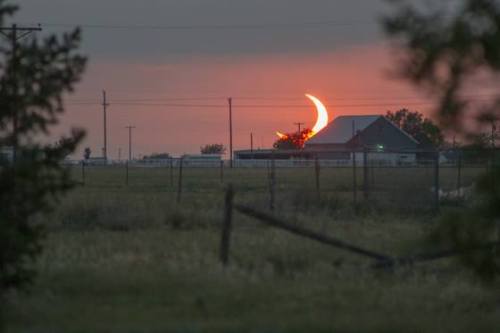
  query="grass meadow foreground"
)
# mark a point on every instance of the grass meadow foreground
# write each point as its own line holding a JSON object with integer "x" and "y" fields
{"x": 131, "y": 259}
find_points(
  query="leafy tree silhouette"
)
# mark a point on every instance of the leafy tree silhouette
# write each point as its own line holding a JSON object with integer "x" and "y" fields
{"x": 442, "y": 52}
{"x": 215, "y": 148}
{"x": 293, "y": 140}
{"x": 415, "y": 124}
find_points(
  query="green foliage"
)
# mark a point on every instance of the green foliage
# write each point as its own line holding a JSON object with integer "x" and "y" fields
{"x": 33, "y": 80}
{"x": 419, "y": 127}
{"x": 216, "y": 148}
{"x": 441, "y": 53}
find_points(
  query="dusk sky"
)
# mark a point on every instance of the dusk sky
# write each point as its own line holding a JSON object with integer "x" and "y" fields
{"x": 153, "y": 55}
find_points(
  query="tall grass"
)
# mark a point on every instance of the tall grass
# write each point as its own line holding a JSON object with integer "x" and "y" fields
{"x": 130, "y": 259}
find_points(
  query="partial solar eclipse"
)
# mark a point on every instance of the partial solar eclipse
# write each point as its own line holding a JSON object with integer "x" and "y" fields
{"x": 322, "y": 117}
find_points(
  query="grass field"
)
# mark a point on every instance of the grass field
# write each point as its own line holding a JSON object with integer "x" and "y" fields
{"x": 130, "y": 259}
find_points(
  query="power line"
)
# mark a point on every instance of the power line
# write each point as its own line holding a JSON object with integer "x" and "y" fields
{"x": 266, "y": 106}
{"x": 248, "y": 26}
{"x": 162, "y": 101}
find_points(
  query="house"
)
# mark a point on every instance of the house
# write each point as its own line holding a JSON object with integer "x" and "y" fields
{"x": 349, "y": 136}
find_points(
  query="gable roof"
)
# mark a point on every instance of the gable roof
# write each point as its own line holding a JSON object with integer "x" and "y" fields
{"x": 339, "y": 131}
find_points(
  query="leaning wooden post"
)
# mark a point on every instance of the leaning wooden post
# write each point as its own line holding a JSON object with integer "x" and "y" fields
{"x": 222, "y": 172}
{"x": 317, "y": 173}
{"x": 436, "y": 182}
{"x": 126, "y": 173}
{"x": 179, "y": 186}
{"x": 83, "y": 172}
{"x": 226, "y": 226}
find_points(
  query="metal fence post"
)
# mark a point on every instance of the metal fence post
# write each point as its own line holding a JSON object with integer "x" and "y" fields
{"x": 171, "y": 172}
{"x": 317, "y": 173}
{"x": 272, "y": 184}
{"x": 354, "y": 179}
{"x": 126, "y": 173}
{"x": 459, "y": 173}
{"x": 222, "y": 172}
{"x": 436, "y": 182}
{"x": 227, "y": 226}
{"x": 179, "y": 186}
{"x": 366, "y": 174}
{"x": 83, "y": 172}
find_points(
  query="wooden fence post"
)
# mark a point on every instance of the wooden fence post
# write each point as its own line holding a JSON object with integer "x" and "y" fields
{"x": 372, "y": 174}
{"x": 171, "y": 172}
{"x": 83, "y": 172}
{"x": 222, "y": 172}
{"x": 317, "y": 173}
{"x": 272, "y": 184}
{"x": 126, "y": 173}
{"x": 227, "y": 226}
{"x": 366, "y": 174}
{"x": 179, "y": 186}
{"x": 436, "y": 182}
{"x": 354, "y": 180}
{"x": 459, "y": 173}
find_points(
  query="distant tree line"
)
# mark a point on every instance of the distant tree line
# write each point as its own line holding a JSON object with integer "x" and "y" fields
{"x": 215, "y": 148}
{"x": 157, "y": 156}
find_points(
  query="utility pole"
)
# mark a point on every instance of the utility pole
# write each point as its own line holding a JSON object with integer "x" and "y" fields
{"x": 251, "y": 142}
{"x": 230, "y": 101}
{"x": 130, "y": 128}
{"x": 14, "y": 34}
{"x": 300, "y": 126}
{"x": 105, "y": 125}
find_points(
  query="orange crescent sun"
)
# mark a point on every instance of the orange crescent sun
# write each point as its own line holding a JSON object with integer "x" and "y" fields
{"x": 322, "y": 120}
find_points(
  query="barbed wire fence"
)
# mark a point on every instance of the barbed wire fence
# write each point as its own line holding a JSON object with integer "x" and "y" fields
{"x": 388, "y": 179}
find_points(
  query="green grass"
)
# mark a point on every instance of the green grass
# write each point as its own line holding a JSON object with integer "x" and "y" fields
{"x": 129, "y": 259}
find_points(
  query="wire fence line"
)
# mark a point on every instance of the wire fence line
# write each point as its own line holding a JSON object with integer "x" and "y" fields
{"x": 426, "y": 181}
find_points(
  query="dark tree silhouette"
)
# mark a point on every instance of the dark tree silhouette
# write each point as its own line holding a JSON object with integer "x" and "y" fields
{"x": 216, "y": 148}
{"x": 157, "y": 156}
{"x": 86, "y": 153}
{"x": 418, "y": 126}
{"x": 441, "y": 52}
{"x": 33, "y": 80}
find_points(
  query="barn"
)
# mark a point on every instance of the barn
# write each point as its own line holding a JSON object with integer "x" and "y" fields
{"x": 349, "y": 136}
